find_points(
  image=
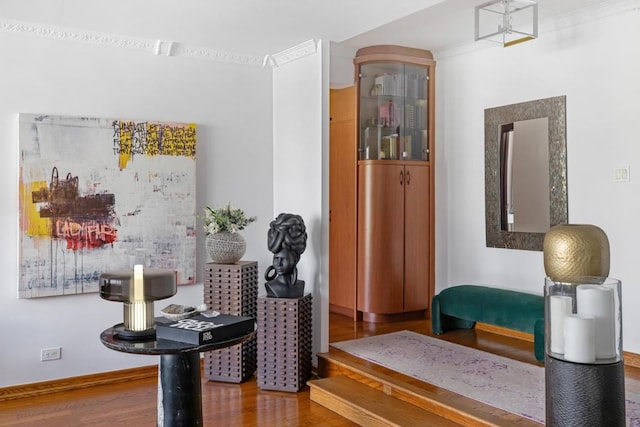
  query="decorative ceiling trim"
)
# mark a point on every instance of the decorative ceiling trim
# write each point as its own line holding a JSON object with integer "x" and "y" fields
{"x": 182, "y": 49}
{"x": 294, "y": 53}
{"x": 155, "y": 47}
{"x": 59, "y": 33}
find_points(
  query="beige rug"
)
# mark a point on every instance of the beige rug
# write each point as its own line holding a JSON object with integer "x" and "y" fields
{"x": 497, "y": 381}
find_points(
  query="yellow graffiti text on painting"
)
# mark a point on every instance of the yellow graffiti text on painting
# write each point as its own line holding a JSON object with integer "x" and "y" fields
{"x": 31, "y": 223}
{"x": 153, "y": 139}
{"x": 171, "y": 139}
{"x": 125, "y": 147}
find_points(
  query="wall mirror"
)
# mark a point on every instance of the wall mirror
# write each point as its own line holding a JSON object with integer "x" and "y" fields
{"x": 525, "y": 172}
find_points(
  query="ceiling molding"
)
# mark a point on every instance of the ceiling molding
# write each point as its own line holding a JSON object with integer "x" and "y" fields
{"x": 216, "y": 55}
{"x": 60, "y": 33}
{"x": 154, "y": 47}
{"x": 294, "y": 53}
{"x": 556, "y": 23}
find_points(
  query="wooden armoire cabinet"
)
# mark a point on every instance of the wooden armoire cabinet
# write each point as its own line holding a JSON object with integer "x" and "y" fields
{"x": 395, "y": 251}
{"x": 381, "y": 187}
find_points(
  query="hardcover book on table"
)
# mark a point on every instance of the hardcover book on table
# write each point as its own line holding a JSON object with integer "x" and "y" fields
{"x": 203, "y": 330}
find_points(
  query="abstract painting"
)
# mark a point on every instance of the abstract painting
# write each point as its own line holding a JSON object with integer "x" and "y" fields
{"x": 101, "y": 194}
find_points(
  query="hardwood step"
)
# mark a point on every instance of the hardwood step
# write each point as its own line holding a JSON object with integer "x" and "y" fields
{"x": 370, "y": 407}
{"x": 441, "y": 402}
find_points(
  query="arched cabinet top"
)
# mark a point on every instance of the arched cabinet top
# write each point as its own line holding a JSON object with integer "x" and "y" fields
{"x": 394, "y": 53}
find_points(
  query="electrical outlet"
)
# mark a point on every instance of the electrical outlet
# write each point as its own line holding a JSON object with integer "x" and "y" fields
{"x": 621, "y": 174}
{"x": 53, "y": 353}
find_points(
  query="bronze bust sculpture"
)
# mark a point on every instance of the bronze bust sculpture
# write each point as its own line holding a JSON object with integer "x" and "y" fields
{"x": 287, "y": 239}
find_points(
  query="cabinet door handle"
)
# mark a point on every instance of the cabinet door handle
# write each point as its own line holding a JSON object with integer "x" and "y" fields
{"x": 408, "y": 177}
{"x": 401, "y": 177}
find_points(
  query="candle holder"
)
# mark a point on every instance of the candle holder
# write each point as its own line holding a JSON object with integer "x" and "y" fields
{"x": 584, "y": 368}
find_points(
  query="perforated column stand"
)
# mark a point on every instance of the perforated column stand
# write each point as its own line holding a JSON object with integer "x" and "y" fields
{"x": 232, "y": 289}
{"x": 284, "y": 343}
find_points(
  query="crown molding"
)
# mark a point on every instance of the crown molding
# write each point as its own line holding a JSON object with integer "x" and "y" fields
{"x": 556, "y": 23}
{"x": 60, "y": 33}
{"x": 154, "y": 47}
{"x": 292, "y": 54}
{"x": 217, "y": 55}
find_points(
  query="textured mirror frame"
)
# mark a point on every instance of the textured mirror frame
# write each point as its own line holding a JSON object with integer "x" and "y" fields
{"x": 555, "y": 109}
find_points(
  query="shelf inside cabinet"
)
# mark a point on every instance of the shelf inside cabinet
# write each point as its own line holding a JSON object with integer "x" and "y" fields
{"x": 393, "y": 143}
{"x": 394, "y": 111}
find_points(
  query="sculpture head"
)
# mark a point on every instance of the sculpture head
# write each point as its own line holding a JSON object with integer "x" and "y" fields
{"x": 287, "y": 232}
{"x": 287, "y": 240}
{"x": 285, "y": 261}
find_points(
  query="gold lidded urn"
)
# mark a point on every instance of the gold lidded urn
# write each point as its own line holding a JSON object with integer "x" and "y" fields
{"x": 575, "y": 250}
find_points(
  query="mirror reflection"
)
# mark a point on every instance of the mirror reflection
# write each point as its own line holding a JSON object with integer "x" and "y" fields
{"x": 525, "y": 172}
{"x": 524, "y": 176}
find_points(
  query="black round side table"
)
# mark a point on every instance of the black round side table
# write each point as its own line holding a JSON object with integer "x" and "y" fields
{"x": 179, "y": 383}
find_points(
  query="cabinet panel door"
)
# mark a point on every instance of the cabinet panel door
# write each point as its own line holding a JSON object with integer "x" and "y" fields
{"x": 416, "y": 217}
{"x": 342, "y": 214}
{"x": 380, "y": 238}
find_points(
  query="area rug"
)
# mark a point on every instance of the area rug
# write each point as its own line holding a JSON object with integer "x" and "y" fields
{"x": 504, "y": 383}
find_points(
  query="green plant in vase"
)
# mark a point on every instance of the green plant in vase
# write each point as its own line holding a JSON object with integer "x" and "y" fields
{"x": 221, "y": 225}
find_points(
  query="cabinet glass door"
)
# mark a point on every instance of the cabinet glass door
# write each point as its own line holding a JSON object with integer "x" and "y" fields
{"x": 393, "y": 112}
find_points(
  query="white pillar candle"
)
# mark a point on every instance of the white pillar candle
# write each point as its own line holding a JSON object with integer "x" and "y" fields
{"x": 598, "y": 301}
{"x": 138, "y": 283}
{"x": 560, "y": 307}
{"x": 579, "y": 344}
{"x": 138, "y": 306}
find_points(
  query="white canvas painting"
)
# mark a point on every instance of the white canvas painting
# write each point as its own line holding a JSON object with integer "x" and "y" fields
{"x": 99, "y": 195}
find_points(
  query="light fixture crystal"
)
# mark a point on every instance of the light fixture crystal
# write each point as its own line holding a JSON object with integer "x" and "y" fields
{"x": 507, "y": 22}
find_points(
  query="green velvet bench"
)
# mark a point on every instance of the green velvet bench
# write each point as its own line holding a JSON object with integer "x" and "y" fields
{"x": 460, "y": 307}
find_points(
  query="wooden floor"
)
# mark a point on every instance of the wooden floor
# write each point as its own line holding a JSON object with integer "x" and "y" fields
{"x": 134, "y": 403}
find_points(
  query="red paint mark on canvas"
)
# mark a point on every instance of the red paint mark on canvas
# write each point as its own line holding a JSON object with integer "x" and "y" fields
{"x": 83, "y": 221}
{"x": 86, "y": 234}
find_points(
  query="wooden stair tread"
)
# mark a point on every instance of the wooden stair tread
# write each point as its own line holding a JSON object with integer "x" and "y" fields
{"x": 367, "y": 406}
{"x": 431, "y": 398}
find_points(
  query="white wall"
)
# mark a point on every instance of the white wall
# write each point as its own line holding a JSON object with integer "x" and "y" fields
{"x": 342, "y": 71}
{"x": 300, "y": 137}
{"x": 232, "y": 107}
{"x": 596, "y": 64}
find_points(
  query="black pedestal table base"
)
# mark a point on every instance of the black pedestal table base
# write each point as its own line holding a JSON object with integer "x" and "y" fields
{"x": 179, "y": 383}
{"x": 179, "y": 390}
